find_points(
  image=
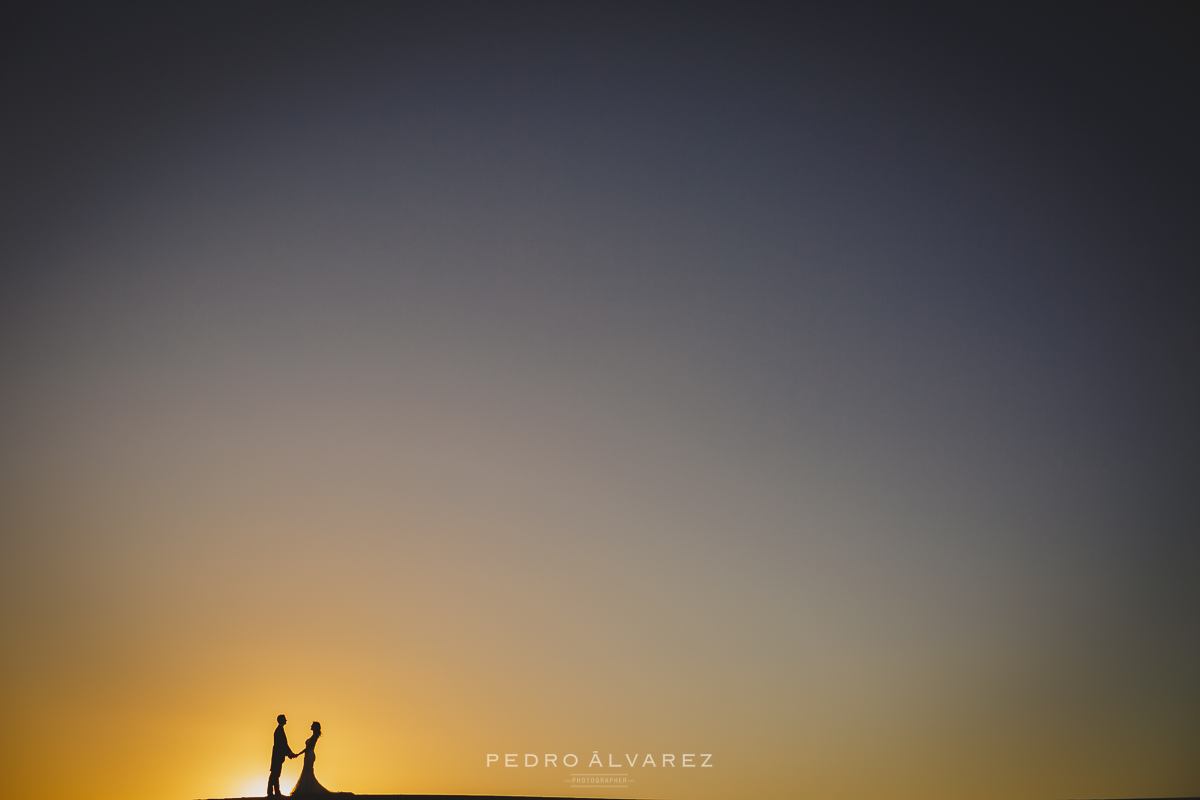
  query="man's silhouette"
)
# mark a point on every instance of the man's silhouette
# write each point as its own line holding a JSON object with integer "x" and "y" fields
{"x": 278, "y": 753}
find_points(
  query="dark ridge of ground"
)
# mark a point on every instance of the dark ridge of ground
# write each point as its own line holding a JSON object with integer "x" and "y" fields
{"x": 474, "y": 797}
{"x": 542, "y": 797}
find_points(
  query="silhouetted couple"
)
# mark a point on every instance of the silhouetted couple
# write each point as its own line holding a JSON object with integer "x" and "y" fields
{"x": 308, "y": 781}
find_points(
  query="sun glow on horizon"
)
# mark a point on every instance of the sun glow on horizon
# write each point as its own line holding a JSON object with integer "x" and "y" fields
{"x": 250, "y": 787}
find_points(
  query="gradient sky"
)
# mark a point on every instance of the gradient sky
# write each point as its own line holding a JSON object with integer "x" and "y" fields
{"x": 812, "y": 389}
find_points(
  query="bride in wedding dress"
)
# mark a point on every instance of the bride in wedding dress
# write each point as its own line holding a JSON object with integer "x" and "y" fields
{"x": 308, "y": 783}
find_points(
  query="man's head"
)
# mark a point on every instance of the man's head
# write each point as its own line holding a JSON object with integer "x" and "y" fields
{"x": 282, "y": 719}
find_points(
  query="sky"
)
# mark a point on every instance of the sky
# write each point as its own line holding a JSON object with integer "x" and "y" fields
{"x": 810, "y": 388}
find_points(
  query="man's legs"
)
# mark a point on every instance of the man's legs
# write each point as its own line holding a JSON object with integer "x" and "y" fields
{"x": 273, "y": 783}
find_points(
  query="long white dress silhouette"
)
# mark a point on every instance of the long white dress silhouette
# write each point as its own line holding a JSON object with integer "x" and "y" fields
{"x": 308, "y": 783}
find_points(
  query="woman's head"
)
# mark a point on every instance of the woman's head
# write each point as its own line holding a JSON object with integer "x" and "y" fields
{"x": 316, "y": 728}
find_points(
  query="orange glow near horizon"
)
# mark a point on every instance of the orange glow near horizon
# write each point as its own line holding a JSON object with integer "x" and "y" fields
{"x": 420, "y": 653}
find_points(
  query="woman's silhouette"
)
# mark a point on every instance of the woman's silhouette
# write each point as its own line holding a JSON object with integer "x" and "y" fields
{"x": 308, "y": 781}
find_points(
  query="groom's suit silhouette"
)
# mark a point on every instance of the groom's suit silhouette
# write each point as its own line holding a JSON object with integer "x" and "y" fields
{"x": 279, "y": 752}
